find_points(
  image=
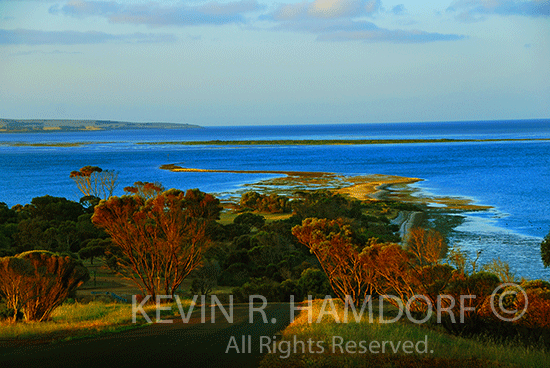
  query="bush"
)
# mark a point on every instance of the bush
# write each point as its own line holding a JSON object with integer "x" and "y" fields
{"x": 314, "y": 282}
{"x": 481, "y": 285}
{"x": 235, "y": 275}
{"x": 250, "y": 220}
{"x": 257, "y": 286}
{"x": 37, "y": 282}
{"x": 206, "y": 278}
{"x": 6, "y": 313}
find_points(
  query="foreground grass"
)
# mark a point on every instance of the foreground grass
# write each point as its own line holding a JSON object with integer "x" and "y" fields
{"x": 76, "y": 320}
{"x": 427, "y": 347}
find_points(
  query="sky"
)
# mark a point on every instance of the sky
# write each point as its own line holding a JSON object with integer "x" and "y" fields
{"x": 260, "y": 62}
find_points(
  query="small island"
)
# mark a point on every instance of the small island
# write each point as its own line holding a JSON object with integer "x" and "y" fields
{"x": 51, "y": 125}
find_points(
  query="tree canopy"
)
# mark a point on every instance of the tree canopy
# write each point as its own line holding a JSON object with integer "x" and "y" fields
{"x": 37, "y": 282}
{"x": 161, "y": 239}
{"x": 94, "y": 181}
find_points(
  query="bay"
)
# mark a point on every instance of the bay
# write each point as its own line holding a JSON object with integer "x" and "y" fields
{"x": 511, "y": 176}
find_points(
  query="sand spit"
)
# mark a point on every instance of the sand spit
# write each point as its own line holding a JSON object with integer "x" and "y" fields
{"x": 373, "y": 187}
{"x": 176, "y": 168}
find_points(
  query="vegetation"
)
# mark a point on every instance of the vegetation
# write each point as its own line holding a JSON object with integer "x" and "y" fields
{"x": 145, "y": 190}
{"x": 306, "y": 243}
{"x": 254, "y": 201}
{"x": 545, "y": 250}
{"x": 160, "y": 240}
{"x": 303, "y": 142}
{"x": 344, "y": 263}
{"x": 37, "y": 282}
{"x": 51, "y": 125}
{"x": 74, "y": 320}
{"x": 430, "y": 346}
{"x": 93, "y": 181}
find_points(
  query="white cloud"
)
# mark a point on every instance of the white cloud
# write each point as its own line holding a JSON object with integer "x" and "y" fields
{"x": 325, "y": 9}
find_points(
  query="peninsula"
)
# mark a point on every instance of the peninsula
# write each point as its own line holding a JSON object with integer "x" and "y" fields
{"x": 43, "y": 126}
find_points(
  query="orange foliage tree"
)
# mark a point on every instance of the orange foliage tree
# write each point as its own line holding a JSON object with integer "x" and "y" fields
{"x": 161, "y": 239}
{"x": 145, "y": 190}
{"x": 37, "y": 282}
{"x": 343, "y": 261}
{"x": 359, "y": 270}
{"x": 427, "y": 246}
{"x": 94, "y": 181}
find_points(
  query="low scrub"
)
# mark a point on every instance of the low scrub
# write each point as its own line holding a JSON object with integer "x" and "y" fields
{"x": 367, "y": 343}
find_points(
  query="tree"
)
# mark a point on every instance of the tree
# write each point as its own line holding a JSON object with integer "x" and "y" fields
{"x": 145, "y": 190}
{"x": 48, "y": 223}
{"x": 50, "y": 209}
{"x": 545, "y": 250}
{"x": 359, "y": 270}
{"x": 326, "y": 204}
{"x": 250, "y": 220}
{"x": 265, "y": 203}
{"x": 37, "y": 282}
{"x": 343, "y": 261}
{"x": 93, "y": 248}
{"x": 161, "y": 239}
{"x": 7, "y": 215}
{"x": 501, "y": 269}
{"x": 89, "y": 202}
{"x": 428, "y": 246}
{"x": 94, "y": 181}
{"x": 206, "y": 277}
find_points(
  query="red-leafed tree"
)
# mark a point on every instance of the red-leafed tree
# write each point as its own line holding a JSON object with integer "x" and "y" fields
{"x": 145, "y": 190}
{"x": 37, "y": 282}
{"x": 427, "y": 246}
{"x": 94, "y": 181}
{"x": 358, "y": 270}
{"x": 162, "y": 239}
{"x": 342, "y": 260}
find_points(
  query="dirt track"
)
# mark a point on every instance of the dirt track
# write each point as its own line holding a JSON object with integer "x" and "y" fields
{"x": 192, "y": 344}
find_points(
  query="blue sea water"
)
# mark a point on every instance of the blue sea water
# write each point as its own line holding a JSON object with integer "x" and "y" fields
{"x": 512, "y": 177}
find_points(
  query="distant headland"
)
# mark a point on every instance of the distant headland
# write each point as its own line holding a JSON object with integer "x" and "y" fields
{"x": 47, "y": 125}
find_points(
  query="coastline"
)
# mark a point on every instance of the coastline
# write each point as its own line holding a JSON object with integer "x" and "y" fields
{"x": 373, "y": 187}
{"x": 176, "y": 168}
{"x": 407, "y": 220}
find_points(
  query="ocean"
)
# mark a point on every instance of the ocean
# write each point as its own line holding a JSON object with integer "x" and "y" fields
{"x": 510, "y": 176}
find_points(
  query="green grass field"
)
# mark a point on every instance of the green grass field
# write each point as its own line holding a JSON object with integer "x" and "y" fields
{"x": 73, "y": 320}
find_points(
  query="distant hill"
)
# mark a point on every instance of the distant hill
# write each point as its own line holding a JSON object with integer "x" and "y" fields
{"x": 38, "y": 125}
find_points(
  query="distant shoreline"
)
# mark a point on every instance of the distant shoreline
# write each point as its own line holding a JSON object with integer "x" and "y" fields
{"x": 312, "y": 142}
{"x": 290, "y": 142}
{"x": 58, "y": 125}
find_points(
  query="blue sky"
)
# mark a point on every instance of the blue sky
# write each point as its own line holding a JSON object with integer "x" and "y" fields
{"x": 224, "y": 62}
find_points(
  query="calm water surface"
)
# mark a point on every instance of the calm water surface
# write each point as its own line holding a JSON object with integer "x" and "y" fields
{"x": 513, "y": 177}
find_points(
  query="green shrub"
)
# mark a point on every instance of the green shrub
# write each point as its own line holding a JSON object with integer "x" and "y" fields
{"x": 314, "y": 282}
